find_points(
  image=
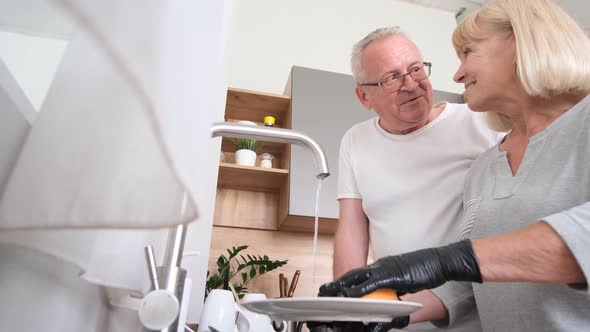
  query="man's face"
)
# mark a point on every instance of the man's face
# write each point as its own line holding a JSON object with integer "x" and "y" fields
{"x": 402, "y": 111}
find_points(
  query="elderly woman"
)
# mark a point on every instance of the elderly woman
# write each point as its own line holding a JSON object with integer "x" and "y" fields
{"x": 527, "y": 200}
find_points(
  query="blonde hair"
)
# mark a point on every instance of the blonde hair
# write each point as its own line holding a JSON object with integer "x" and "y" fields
{"x": 552, "y": 50}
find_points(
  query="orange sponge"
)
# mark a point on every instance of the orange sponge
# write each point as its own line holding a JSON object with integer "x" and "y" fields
{"x": 381, "y": 294}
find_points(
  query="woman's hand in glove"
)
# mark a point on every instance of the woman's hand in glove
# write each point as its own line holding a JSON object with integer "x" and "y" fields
{"x": 396, "y": 323}
{"x": 410, "y": 272}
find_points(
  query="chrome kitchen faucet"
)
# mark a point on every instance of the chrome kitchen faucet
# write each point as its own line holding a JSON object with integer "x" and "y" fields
{"x": 171, "y": 277}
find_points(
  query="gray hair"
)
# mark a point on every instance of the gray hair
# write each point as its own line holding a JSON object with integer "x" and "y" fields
{"x": 357, "y": 50}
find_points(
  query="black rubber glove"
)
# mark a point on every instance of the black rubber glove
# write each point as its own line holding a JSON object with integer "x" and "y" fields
{"x": 396, "y": 323}
{"x": 409, "y": 273}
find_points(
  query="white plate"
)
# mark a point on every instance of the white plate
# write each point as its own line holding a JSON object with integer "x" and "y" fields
{"x": 332, "y": 309}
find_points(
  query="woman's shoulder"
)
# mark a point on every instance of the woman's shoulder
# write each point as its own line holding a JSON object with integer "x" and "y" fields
{"x": 480, "y": 168}
{"x": 573, "y": 123}
{"x": 582, "y": 113}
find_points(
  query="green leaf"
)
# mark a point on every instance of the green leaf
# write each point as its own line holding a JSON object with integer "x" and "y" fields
{"x": 257, "y": 265}
{"x": 245, "y": 143}
{"x": 221, "y": 262}
{"x": 240, "y": 289}
{"x": 236, "y": 251}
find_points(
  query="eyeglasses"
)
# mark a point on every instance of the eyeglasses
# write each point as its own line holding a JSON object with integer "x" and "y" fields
{"x": 395, "y": 82}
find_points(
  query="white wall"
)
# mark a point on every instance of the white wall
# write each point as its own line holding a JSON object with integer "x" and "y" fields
{"x": 269, "y": 36}
{"x": 198, "y": 236}
{"x": 579, "y": 10}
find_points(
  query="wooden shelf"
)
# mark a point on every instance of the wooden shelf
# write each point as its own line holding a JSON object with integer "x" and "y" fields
{"x": 254, "y": 106}
{"x": 251, "y": 178}
{"x": 251, "y": 197}
{"x": 302, "y": 224}
{"x": 255, "y": 197}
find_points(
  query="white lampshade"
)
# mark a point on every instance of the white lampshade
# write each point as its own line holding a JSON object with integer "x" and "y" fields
{"x": 120, "y": 150}
{"x": 120, "y": 137}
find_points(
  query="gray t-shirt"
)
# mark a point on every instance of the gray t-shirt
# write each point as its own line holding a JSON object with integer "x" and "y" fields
{"x": 552, "y": 184}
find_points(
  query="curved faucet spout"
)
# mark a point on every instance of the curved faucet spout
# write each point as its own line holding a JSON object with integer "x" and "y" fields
{"x": 279, "y": 135}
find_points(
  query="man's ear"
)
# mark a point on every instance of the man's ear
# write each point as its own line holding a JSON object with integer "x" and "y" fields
{"x": 361, "y": 94}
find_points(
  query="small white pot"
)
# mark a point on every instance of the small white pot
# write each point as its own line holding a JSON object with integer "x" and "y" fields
{"x": 246, "y": 157}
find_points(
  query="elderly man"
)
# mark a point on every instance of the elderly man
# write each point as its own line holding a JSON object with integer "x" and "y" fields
{"x": 401, "y": 173}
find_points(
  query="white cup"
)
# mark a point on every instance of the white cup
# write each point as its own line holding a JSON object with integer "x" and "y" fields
{"x": 252, "y": 321}
{"x": 219, "y": 312}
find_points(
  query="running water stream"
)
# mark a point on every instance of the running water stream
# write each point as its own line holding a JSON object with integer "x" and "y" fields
{"x": 315, "y": 235}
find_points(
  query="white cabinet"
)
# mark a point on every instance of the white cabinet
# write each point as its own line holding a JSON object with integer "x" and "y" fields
{"x": 324, "y": 106}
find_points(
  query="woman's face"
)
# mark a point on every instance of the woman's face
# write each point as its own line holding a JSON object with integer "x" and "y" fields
{"x": 488, "y": 71}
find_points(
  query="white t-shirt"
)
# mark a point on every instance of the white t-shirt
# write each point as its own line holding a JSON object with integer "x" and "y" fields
{"x": 411, "y": 185}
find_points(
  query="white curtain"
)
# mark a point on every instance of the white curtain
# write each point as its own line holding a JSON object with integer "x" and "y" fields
{"x": 121, "y": 149}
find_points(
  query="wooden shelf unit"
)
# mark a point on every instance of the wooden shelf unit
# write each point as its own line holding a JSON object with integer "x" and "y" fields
{"x": 255, "y": 197}
{"x": 251, "y": 178}
{"x": 304, "y": 224}
{"x": 277, "y": 150}
{"x": 254, "y": 106}
{"x": 251, "y": 197}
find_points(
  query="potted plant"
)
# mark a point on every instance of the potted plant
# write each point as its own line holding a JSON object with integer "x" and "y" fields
{"x": 235, "y": 264}
{"x": 246, "y": 151}
{"x": 246, "y": 148}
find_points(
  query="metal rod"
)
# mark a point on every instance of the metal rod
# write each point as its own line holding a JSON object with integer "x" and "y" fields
{"x": 151, "y": 261}
{"x": 172, "y": 275}
{"x": 174, "y": 250}
{"x": 279, "y": 135}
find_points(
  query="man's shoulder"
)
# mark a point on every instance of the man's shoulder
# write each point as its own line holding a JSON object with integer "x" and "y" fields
{"x": 463, "y": 113}
{"x": 362, "y": 127}
{"x": 456, "y": 108}
{"x": 474, "y": 125}
{"x": 360, "y": 134}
